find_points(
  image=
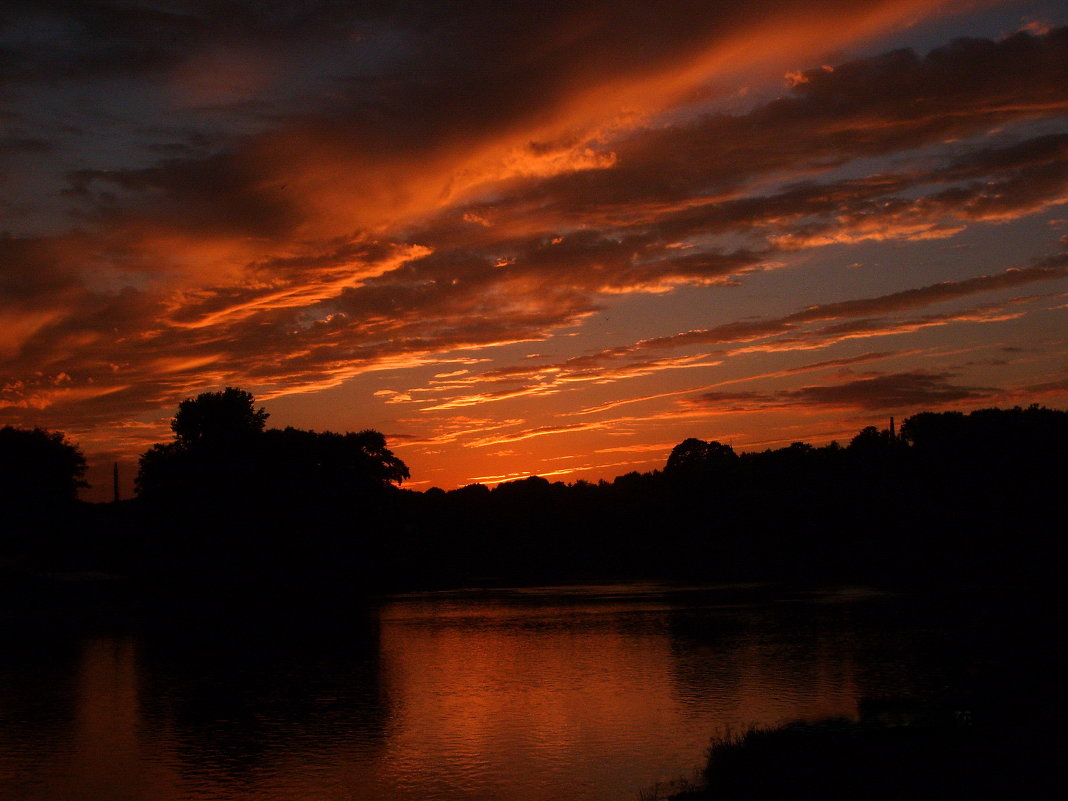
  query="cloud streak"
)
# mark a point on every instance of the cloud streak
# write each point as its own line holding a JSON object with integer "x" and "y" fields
{"x": 836, "y": 322}
{"x": 908, "y": 391}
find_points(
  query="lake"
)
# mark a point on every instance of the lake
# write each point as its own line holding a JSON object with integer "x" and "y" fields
{"x": 589, "y": 693}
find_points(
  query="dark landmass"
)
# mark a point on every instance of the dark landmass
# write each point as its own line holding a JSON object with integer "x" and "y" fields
{"x": 233, "y": 514}
{"x": 896, "y": 754}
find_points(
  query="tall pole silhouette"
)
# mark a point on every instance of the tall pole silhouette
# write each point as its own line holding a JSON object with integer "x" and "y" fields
{"x": 115, "y": 480}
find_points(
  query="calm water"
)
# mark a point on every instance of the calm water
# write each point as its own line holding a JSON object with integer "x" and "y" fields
{"x": 589, "y": 694}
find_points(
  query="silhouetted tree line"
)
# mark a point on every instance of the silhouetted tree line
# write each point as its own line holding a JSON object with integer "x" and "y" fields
{"x": 232, "y": 507}
{"x": 952, "y": 497}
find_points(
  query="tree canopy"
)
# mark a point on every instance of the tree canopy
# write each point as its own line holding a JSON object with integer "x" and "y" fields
{"x": 223, "y": 453}
{"x": 38, "y": 467}
{"x": 218, "y": 418}
{"x": 314, "y": 463}
{"x": 694, "y": 457}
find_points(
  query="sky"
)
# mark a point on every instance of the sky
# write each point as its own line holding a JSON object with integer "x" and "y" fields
{"x": 523, "y": 239}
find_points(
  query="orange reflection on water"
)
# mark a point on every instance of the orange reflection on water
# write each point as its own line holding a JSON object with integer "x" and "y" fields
{"x": 525, "y": 699}
{"x": 530, "y": 695}
{"x": 115, "y": 756}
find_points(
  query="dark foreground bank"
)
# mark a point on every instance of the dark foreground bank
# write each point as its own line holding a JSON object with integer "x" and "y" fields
{"x": 894, "y": 752}
{"x": 992, "y": 726}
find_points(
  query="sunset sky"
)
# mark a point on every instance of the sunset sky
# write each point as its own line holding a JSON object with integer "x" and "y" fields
{"x": 530, "y": 238}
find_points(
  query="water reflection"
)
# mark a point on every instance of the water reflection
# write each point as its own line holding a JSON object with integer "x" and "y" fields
{"x": 38, "y": 696}
{"x": 518, "y": 696}
{"x": 107, "y": 743}
{"x": 522, "y": 697}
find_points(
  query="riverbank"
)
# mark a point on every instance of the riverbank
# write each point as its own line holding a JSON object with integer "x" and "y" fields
{"x": 895, "y": 751}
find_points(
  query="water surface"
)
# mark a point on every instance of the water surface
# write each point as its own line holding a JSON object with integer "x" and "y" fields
{"x": 588, "y": 693}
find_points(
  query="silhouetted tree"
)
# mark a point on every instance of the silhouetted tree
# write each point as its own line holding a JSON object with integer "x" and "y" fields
{"x": 695, "y": 458}
{"x": 319, "y": 464}
{"x": 475, "y": 493}
{"x": 218, "y": 418}
{"x": 936, "y": 431}
{"x": 221, "y": 453}
{"x": 870, "y": 440}
{"x": 211, "y": 456}
{"x": 38, "y": 467}
{"x": 160, "y": 469}
{"x": 377, "y": 460}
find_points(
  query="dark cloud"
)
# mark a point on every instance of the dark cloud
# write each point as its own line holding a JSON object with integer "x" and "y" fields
{"x": 11, "y": 145}
{"x": 869, "y": 107}
{"x": 72, "y": 40}
{"x": 34, "y": 273}
{"x": 1056, "y": 386}
{"x": 220, "y": 194}
{"x": 906, "y": 391}
{"x": 1036, "y": 152}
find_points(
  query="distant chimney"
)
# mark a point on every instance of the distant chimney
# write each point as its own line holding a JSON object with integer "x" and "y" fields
{"x": 115, "y": 480}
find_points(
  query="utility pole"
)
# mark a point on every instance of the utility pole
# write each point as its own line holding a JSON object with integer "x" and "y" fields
{"x": 115, "y": 480}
